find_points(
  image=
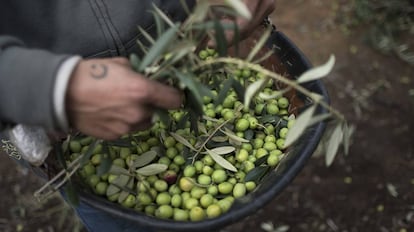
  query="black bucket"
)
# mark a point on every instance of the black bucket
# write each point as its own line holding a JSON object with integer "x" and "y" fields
{"x": 272, "y": 184}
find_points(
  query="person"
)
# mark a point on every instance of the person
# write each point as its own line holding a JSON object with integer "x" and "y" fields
{"x": 63, "y": 66}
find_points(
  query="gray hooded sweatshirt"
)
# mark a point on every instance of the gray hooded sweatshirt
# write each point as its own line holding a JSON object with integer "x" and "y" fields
{"x": 37, "y": 36}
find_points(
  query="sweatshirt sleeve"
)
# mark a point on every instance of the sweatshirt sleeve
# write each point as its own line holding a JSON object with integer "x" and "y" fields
{"x": 27, "y": 82}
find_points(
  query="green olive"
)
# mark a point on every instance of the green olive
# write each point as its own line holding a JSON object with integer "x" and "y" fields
{"x": 204, "y": 179}
{"x": 207, "y": 170}
{"x": 219, "y": 176}
{"x": 242, "y": 125}
{"x": 272, "y": 160}
{"x": 242, "y": 155}
{"x": 186, "y": 184}
{"x": 180, "y": 215}
{"x": 206, "y": 200}
{"x": 213, "y": 211}
{"x": 164, "y": 212}
{"x": 160, "y": 185}
{"x": 124, "y": 152}
{"x": 280, "y": 143}
{"x": 171, "y": 152}
{"x": 129, "y": 202}
{"x": 190, "y": 203}
{"x": 239, "y": 190}
{"x": 163, "y": 198}
{"x": 119, "y": 162}
{"x": 197, "y": 192}
{"x": 179, "y": 160}
{"x": 225, "y": 188}
{"x": 197, "y": 214}
{"x": 144, "y": 199}
{"x": 283, "y": 132}
{"x": 189, "y": 171}
{"x": 150, "y": 210}
{"x": 176, "y": 200}
{"x": 212, "y": 190}
{"x": 75, "y": 146}
{"x": 283, "y": 102}
{"x": 269, "y": 146}
{"x": 169, "y": 142}
{"x": 101, "y": 187}
{"x": 250, "y": 185}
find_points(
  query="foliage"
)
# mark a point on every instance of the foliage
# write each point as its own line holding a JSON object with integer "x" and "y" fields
{"x": 390, "y": 24}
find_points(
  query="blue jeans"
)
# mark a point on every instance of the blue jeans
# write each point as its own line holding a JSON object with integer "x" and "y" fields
{"x": 99, "y": 221}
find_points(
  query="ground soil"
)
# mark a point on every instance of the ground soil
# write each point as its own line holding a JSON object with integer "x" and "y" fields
{"x": 369, "y": 190}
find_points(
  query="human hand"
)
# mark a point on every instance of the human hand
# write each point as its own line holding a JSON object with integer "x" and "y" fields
{"x": 107, "y": 99}
{"x": 259, "y": 9}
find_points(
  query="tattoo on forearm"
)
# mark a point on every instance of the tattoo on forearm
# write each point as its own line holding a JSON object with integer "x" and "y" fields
{"x": 99, "y": 71}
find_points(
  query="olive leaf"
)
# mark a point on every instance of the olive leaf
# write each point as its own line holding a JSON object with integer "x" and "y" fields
{"x": 221, "y": 161}
{"x": 333, "y": 144}
{"x": 89, "y": 152}
{"x": 163, "y": 15}
{"x": 122, "y": 196}
{"x": 348, "y": 132}
{"x": 135, "y": 62}
{"x": 159, "y": 22}
{"x": 223, "y": 91}
{"x": 159, "y": 47}
{"x": 60, "y": 153}
{"x": 256, "y": 173}
{"x": 220, "y": 38}
{"x": 220, "y": 139}
{"x": 318, "y": 118}
{"x": 116, "y": 170}
{"x": 261, "y": 160}
{"x": 144, "y": 159}
{"x": 152, "y": 169}
{"x": 112, "y": 189}
{"x": 223, "y": 150}
{"x": 146, "y": 35}
{"x": 249, "y": 134}
{"x": 276, "y": 94}
{"x": 253, "y": 89}
{"x": 240, "y": 90}
{"x": 302, "y": 121}
{"x": 199, "y": 13}
{"x": 105, "y": 165}
{"x": 121, "y": 181}
{"x": 318, "y": 72}
{"x": 234, "y": 136}
{"x": 259, "y": 44}
{"x": 240, "y": 8}
{"x": 182, "y": 140}
{"x": 71, "y": 193}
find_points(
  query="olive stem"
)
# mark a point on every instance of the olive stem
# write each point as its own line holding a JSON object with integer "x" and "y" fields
{"x": 208, "y": 139}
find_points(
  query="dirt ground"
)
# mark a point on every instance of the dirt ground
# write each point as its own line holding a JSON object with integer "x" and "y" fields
{"x": 370, "y": 190}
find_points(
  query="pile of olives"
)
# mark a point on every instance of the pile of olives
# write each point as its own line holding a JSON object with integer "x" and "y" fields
{"x": 192, "y": 186}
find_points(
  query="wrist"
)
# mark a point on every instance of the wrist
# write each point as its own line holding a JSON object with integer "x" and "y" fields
{"x": 60, "y": 88}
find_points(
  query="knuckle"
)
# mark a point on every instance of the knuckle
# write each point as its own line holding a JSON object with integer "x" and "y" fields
{"x": 140, "y": 90}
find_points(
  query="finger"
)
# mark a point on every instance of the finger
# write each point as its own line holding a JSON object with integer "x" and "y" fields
{"x": 143, "y": 125}
{"x": 116, "y": 128}
{"x": 157, "y": 94}
{"x": 136, "y": 114}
